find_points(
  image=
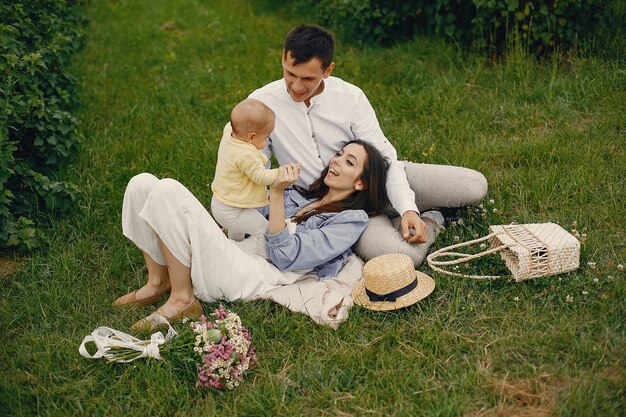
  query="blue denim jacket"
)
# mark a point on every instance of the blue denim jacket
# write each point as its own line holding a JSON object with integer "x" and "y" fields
{"x": 322, "y": 242}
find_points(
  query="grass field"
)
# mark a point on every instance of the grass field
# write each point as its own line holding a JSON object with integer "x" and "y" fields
{"x": 158, "y": 81}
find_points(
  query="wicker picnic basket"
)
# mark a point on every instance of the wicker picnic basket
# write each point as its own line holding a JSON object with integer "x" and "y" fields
{"x": 529, "y": 251}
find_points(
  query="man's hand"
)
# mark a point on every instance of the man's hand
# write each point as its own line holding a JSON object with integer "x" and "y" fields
{"x": 412, "y": 220}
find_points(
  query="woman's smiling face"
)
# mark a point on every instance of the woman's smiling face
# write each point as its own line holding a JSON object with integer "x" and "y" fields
{"x": 346, "y": 168}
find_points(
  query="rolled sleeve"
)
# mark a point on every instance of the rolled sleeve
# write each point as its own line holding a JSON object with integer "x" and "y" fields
{"x": 331, "y": 269}
{"x": 312, "y": 247}
{"x": 366, "y": 127}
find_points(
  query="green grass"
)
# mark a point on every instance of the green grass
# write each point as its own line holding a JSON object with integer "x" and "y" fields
{"x": 158, "y": 82}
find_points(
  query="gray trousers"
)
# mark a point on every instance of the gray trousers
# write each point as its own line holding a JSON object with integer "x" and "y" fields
{"x": 435, "y": 186}
{"x": 241, "y": 222}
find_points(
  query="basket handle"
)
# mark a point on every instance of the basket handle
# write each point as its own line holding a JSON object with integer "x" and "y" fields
{"x": 462, "y": 257}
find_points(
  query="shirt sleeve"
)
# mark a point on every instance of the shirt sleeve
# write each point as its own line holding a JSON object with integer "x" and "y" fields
{"x": 310, "y": 248}
{"x": 365, "y": 126}
{"x": 253, "y": 167}
{"x": 331, "y": 268}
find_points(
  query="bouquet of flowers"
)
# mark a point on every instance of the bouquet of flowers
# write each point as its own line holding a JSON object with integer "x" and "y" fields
{"x": 224, "y": 349}
{"x": 220, "y": 348}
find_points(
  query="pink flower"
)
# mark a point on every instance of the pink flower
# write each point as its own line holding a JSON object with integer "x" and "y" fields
{"x": 223, "y": 362}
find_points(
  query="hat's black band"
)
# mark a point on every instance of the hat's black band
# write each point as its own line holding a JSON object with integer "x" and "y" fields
{"x": 392, "y": 296}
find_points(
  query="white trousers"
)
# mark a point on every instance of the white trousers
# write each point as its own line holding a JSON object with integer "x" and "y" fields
{"x": 435, "y": 186}
{"x": 165, "y": 209}
{"x": 241, "y": 222}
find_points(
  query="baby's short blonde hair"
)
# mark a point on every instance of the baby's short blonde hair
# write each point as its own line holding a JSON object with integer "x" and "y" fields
{"x": 249, "y": 116}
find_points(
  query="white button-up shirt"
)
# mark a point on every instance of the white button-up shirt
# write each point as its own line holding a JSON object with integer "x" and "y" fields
{"x": 312, "y": 135}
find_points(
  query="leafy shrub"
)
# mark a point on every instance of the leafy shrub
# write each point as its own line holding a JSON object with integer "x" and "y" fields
{"x": 364, "y": 21}
{"x": 37, "y": 130}
{"x": 540, "y": 25}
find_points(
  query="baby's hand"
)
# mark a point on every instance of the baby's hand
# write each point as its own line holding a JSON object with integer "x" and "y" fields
{"x": 287, "y": 175}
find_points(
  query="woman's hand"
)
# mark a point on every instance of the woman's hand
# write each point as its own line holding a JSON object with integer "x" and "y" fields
{"x": 287, "y": 175}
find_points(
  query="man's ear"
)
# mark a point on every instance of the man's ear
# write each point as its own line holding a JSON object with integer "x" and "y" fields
{"x": 282, "y": 56}
{"x": 329, "y": 70}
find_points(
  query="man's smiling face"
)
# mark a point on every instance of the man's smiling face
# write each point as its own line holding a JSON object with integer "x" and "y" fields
{"x": 304, "y": 80}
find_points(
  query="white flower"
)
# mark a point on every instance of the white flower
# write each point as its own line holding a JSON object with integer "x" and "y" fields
{"x": 569, "y": 298}
{"x": 495, "y": 210}
{"x": 591, "y": 265}
{"x": 483, "y": 246}
{"x": 456, "y": 238}
{"x": 620, "y": 267}
{"x": 516, "y": 299}
{"x": 460, "y": 222}
{"x": 475, "y": 235}
{"x": 491, "y": 201}
{"x": 574, "y": 223}
{"x": 480, "y": 206}
{"x": 585, "y": 293}
{"x": 595, "y": 280}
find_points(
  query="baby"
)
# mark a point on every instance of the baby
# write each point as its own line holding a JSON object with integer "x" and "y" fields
{"x": 240, "y": 179}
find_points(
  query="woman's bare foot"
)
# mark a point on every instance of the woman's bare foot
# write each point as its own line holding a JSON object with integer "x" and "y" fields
{"x": 152, "y": 289}
{"x": 176, "y": 309}
{"x": 173, "y": 311}
{"x": 148, "y": 294}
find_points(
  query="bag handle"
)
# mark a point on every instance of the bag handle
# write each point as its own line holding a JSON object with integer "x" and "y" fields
{"x": 462, "y": 257}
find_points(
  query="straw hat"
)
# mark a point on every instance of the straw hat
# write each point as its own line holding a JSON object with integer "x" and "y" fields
{"x": 391, "y": 282}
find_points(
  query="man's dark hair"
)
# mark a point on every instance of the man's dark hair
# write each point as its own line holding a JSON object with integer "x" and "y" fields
{"x": 306, "y": 42}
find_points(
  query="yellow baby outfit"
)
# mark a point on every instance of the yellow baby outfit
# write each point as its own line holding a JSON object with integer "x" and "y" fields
{"x": 240, "y": 174}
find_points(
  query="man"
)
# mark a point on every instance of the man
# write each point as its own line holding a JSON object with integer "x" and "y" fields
{"x": 316, "y": 114}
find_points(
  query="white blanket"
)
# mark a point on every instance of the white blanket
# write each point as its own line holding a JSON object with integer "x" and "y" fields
{"x": 327, "y": 302}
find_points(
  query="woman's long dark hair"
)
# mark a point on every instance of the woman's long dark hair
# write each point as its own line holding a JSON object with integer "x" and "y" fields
{"x": 373, "y": 199}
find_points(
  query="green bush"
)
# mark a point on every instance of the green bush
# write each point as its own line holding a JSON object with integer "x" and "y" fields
{"x": 363, "y": 21}
{"x": 540, "y": 25}
{"x": 37, "y": 130}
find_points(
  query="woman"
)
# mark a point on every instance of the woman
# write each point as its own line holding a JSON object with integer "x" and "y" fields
{"x": 186, "y": 251}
